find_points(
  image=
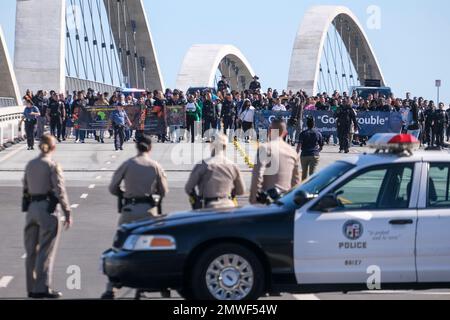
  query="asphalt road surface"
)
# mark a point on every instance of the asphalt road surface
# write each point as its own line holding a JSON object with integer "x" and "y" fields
{"x": 88, "y": 170}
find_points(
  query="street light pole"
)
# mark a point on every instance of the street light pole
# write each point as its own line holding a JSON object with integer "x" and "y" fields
{"x": 438, "y": 86}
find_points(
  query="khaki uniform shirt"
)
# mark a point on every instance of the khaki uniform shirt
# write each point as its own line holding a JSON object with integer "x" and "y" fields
{"x": 142, "y": 177}
{"x": 42, "y": 176}
{"x": 277, "y": 166}
{"x": 216, "y": 177}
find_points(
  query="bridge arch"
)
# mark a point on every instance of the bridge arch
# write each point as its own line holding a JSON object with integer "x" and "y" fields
{"x": 311, "y": 39}
{"x": 9, "y": 89}
{"x": 102, "y": 44}
{"x": 202, "y": 61}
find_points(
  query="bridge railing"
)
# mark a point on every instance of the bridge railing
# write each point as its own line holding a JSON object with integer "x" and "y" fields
{"x": 7, "y": 102}
{"x": 11, "y": 128}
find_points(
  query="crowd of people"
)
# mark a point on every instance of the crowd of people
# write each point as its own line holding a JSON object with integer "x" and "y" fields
{"x": 224, "y": 109}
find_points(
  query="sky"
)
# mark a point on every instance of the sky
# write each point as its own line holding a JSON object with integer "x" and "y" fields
{"x": 412, "y": 41}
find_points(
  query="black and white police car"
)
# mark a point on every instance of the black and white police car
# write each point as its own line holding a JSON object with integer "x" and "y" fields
{"x": 388, "y": 211}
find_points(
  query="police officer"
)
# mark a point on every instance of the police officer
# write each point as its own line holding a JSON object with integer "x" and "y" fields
{"x": 30, "y": 116}
{"x": 310, "y": 143}
{"x": 277, "y": 165}
{"x": 218, "y": 179}
{"x": 228, "y": 113}
{"x": 56, "y": 113}
{"x": 193, "y": 116}
{"x": 255, "y": 84}
{"x": 440, "y": 122}
{"x": 119, "y": 119}
{"x": 429, "y": 117}
{"x": 145, "y": 181}
{"x": 448, "y": 128}
{"x": 44, "y": 188}
{"x": 210, "y": 115}
{"x": 345, "y": 118}
{"x": 223, "y": 85}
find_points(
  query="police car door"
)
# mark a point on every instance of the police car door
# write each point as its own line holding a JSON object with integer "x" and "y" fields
{"x": 370, "y": 233}
{"x": 433, "y": 230}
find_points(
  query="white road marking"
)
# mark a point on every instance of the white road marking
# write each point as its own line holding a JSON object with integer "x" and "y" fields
{"x": 12, "y": 153}
{"x": 306, "y": 297}
{"x": 92, "y": 186}
{"x": 75, "y": 206}
{"x": 384, "y": 292}
{"x": 84, "y": 196}
{"x": 98, "y": 177}
{"x": 5, "y": 281}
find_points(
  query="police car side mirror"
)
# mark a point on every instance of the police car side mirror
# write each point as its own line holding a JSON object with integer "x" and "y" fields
{"x": 328, "y": 203}
{"x": 301, "y": 198}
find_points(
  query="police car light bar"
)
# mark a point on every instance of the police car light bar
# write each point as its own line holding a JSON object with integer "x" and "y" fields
{"x": 394, "y": 143}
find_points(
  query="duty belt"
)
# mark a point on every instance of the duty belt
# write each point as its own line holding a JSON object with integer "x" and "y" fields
{"x": 135, "y": 201}
{"x": 39, "y": 198}
{"x": 209, "y": 200}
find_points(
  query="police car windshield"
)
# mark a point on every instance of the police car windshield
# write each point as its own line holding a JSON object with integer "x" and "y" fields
{"x": 319, "y": 181}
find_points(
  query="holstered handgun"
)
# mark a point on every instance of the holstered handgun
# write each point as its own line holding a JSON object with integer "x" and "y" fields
{"x": 157, "y": 202}
{"x": 52, "y": 203}
{"x": 196, "y": 201}
{"x": 26, "y": 201}
{"x": 120, "y": 201}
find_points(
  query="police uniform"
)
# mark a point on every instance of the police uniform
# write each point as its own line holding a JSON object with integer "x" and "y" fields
{"x": 228, "y": 114}
{"x": 42, "y": 177}
{"x": 57, "y": 112}
{"x": 143, "y": 178}
{"x": 217, "y": 179}
{"x": 277, "y": 167}
{"x": 428, "y": 116}
{"x": 345, "y": 118}
{"x": 255, "y": 85}
{"x": 210, "y": 115}
{"x": 440, "y": 121}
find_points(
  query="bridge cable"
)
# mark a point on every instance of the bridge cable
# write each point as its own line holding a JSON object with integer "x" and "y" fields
{"x": 340, "y": 43}
{"x": 87, "y": 48}
{"x": 77, "y": 38}
{"x": 95, "y": 41}
{"x": 128, "y": 52}
{"x": 70, "y": 47}
{"x": 114, "y": 47}
{"x": 134, "y": 30}
{"x": 103, "y": 37}
{"x": 332, "y": 84}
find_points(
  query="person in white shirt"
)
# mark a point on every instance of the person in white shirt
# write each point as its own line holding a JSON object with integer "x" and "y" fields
{"x": 278, "y": 106}
{"x": 247, "y": 117}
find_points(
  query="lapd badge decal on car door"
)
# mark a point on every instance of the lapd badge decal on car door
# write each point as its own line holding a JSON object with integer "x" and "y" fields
{"x": 353, "y": 230}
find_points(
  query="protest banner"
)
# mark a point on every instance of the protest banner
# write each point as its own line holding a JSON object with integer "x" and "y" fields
{"x": 137, "y": 116}
{"x": 176, "y": 116}
{"x": 154, "y": 123}
{"x": 264, "y": 118}
{"x": 94, "y": 118}
{"x": 370, "y": 123}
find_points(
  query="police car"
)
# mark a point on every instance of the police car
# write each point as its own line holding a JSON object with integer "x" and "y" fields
{"x": 385, "y": 214}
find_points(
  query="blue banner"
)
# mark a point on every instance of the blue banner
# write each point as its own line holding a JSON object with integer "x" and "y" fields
{"x": 370, "y": 123}
{"x": 264, "y": 118}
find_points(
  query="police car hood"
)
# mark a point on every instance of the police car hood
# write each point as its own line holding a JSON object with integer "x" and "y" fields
{"x": 192, "y": 217}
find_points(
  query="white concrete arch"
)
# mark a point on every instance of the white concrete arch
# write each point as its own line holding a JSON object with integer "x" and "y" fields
{"x": 309, "y": 43}
{"x": 201, "y": 62}
{"x": 152, "y": 78}
{"x": 9, "y": 88}
{"x": 40, "y": 48}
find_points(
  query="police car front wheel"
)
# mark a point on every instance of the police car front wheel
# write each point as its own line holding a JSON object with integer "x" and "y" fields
{"x": 228, "y": 272}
